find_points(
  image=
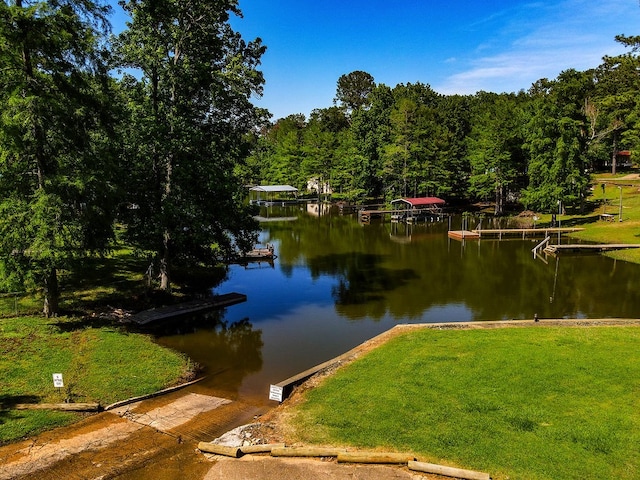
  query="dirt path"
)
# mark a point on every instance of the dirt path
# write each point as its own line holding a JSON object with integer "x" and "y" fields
{"x": 150, "y": 439}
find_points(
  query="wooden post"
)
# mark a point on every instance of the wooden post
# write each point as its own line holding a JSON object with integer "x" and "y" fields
{"x": 306, "y": 452}
{"x": 375, "y": 457}
{"x": 65, "y": 407}
{"x": 264, "y": 448}
{"x": 448, "y": 471}
{"x": 219, "y": 449}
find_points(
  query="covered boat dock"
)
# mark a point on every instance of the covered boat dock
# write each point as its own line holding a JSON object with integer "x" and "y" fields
{"x": 273, "y": 194}
{"x": 409, "y": 210}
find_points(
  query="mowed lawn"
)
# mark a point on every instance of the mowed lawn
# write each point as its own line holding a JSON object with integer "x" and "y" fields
{"x": 100, "y": 365}
{"x": 519, "y": 403}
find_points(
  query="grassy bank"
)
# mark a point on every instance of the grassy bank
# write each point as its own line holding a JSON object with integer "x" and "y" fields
{"x": 622, "y": 189}
{"x": 535, "y": 403}
{"x": 100, "y": 361}
{"x": 98, "y": 365}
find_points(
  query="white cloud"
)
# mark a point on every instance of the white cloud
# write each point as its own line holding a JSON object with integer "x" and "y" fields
{"x": 540, "y": 41}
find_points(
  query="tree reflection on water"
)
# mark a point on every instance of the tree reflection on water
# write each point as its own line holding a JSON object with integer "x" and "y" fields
{"x": 229, "y": 350}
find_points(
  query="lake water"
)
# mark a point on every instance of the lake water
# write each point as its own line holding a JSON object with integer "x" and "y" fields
{"x": 336, "y": 283}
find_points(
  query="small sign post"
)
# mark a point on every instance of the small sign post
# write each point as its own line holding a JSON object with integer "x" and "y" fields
{"x": 275, "y": 393}
{"x": 57, "y": 380}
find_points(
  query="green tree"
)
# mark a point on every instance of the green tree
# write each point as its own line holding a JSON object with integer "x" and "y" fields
{"x": 321, "y": 139}
{"x": 495, "y": 148}
{"x": 353, "y": 90}
{"x": 319, "y": 153}
{"x": 399, "y": 153}
{"x": 56, "y": 193}
{"x": 418, "y": 145}
{"x": 556, "y": 142}
{"x": 371, "y": 130}
{"x": 284, "y": 151}
{"x": 614, "y": 108}
{"x": 349, "y": 172}
{"x": 454, "y": 119}
{"x": 189, "y": 111}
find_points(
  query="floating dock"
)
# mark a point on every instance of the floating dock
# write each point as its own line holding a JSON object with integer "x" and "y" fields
{"x": 259, "y": 254}
{"x": 188, "y": 308}
{"x": 463, "y": 234}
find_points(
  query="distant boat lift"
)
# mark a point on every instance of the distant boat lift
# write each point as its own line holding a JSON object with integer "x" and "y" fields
{"x": 270, "y": 192}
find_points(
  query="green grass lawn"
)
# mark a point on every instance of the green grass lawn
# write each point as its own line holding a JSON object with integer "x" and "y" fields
{"x": 98, "y": 365}
{"x": 100, "y": 362}
{"x": 601, "y": 201}
{"x": 520, "y": 403}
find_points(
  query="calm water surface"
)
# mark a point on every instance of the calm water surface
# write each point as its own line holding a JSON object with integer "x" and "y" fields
{"x": 337, "y": 283}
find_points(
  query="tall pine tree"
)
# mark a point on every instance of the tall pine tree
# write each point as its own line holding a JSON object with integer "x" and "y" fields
{"x": 55, "y": 194}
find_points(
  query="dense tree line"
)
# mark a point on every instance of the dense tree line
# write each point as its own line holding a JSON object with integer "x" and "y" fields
{"x": 143, "y": 128}
{"x": 536, "y": 148}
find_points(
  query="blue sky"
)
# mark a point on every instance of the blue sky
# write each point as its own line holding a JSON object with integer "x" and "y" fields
{"x": 456, "y": 46}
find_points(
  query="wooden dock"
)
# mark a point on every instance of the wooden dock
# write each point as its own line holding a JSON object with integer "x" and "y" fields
{"x": 524, "y": 232}
{"x": 257, "y": 253}
{"x": 365, "y": 216}
{"x": 188, "y": 308}
{"x": 463, "y": 234}
{"x": 509, "y": 232}
{"x": 577, "y": 248}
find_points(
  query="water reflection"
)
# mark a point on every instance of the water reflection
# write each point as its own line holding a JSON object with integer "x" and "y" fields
{"x": 361, "y": 278}
{"x": 229, "y": 351}
{"x": 336, "y": 283}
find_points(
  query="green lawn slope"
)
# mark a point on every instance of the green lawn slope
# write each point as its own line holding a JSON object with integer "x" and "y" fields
{"x": 539, "y": 403}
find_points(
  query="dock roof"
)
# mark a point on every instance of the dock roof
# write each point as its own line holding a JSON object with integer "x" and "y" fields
{"x": 420, "y": 201}
{"x": 274, "y": 188}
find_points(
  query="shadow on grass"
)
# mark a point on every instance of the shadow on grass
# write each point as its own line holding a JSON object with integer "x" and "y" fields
{"x": 574, "y": 222}
{"x": 7, "y": 402}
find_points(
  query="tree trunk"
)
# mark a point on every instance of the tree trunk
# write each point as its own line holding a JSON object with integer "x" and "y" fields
{"x": 165, "y": 279}
{"x": 51, "y": 294}
{"x": 499, "y": 200}
{"x": 614, "y": 154}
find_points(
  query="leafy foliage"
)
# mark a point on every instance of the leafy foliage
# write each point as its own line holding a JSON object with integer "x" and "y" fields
{"x": 537, "y": 148}
{"x": 188, "y": 118}
{"x": 57, "y": 197}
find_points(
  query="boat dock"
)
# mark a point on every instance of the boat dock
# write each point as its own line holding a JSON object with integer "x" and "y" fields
{"x": 463, "y": 234}
{"x": 504, "y": 232}
{"x": 260, "y": 253}
{"x": 414, "y": 215}
{"x": 524, "y": 232}
{"x": 187, "y": 308}
{"x": 577, "y": 248}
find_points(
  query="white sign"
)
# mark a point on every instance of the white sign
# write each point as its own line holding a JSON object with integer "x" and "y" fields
{"x": 57, "y": 380}
{"x": 275, "y": 393}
